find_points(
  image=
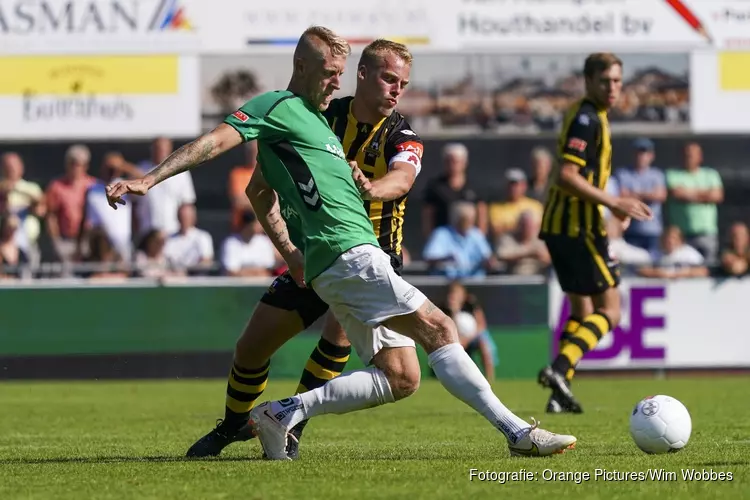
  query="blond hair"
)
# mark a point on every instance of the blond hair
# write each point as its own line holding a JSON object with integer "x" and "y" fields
{"x": 316, "y": 39}
{"x": 373, "y": 54}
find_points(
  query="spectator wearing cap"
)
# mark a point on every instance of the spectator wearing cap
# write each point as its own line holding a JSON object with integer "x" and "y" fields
{"x": 249, "y": 252}
{"x": 693, "y": 198}
{"x": 451, "y": 187}
{"x": 505, "y": 216}
{"x": 647, "y": 183}
{"x": 65, "y": 201}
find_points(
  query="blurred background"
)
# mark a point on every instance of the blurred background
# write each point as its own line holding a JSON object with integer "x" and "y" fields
{"x": 95, "y": 90}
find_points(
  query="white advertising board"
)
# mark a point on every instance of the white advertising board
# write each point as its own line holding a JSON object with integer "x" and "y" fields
{"x": 89, "y": 97}
{"x": 670, "y": 324}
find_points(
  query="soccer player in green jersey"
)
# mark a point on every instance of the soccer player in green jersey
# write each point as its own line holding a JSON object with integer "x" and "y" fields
{"x": 303, "y": 164}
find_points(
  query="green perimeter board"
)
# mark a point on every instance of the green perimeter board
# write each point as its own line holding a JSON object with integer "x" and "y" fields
{"x": 58, "y": 322}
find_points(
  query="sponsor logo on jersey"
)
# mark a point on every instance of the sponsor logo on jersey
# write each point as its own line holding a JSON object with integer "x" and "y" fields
{"x": 577, "y": 144}
{"x": 240, "y": 116}
{"x": 412, "y": 146}
{"x": 408, "y": 132}
{"x": 584, "y": 119}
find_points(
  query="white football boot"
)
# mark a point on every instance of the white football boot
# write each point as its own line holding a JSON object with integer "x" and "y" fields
{"x": 540, "y": 443}
{"x": 271, "y": 433}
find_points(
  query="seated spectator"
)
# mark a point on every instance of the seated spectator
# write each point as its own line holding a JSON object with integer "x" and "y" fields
{"x": 676, "y": 259}
{"x": 150, "y": 260}
{"x": 505, "y": 215}
{"x": 249, "y": 252}
{"x": 541, "y": 166}
{"x": 11, "y": 255}
{"x": 630, "y": 256}
{"x": 97, "y": 214}
{"x": 523, "y": 252}
{"x": 459, "y": 250}
{"x": 65, "y": 200}
{"x": 474, "y": 337}
{"x": 190, "y": 247}
{"x": 104, "y": 262}
{"x": 449, "y": 188}
{"x": 736, "y": 257}
{"x": 22, "y": 198}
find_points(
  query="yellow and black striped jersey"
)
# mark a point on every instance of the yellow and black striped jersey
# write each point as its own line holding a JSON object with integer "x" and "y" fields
{"x": 375, "y": 147}
{"x": 584, "y": 141}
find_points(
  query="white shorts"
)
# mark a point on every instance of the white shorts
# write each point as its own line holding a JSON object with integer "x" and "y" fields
{"x": 363, "y": 291}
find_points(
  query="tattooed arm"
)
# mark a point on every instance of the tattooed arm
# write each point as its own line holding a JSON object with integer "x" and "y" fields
{"x": 202, "y": 149}
{"x": 265, "y": 203}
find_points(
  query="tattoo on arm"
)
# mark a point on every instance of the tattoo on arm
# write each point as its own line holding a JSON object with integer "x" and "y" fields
{"x": 430, "y": 308}
{"x": 188, "y": 156}
{"x": 266, "y": 205}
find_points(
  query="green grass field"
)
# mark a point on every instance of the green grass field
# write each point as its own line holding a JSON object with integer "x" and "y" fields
{"x": 126, "y": 440}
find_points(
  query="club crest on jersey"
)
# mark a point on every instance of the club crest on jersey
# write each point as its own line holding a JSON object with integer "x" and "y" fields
{"x": 577, "y": 144}
{"x": 240, "y": 116}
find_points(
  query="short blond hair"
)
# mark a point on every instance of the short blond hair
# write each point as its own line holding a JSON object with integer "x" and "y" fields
{"x": 315, "y": 38}
{"x": 373, "y": 54}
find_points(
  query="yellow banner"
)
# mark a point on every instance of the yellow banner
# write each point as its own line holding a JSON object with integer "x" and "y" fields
{"x": 89, "y": 75}
{"x": 734, "y": 70}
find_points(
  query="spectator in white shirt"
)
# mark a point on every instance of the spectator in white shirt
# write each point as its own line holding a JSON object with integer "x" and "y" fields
{"x": 97, "y": 214}
{"x": 627, "y": 254}
{"x": 190, "y": 247}
{"x": 158, "y": 208}
{"x": 249, "y": 252}
{"x": 676, "y": 259}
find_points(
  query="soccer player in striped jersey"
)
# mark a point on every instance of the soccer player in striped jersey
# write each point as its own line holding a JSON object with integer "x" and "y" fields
{"x": 573, "y": 226}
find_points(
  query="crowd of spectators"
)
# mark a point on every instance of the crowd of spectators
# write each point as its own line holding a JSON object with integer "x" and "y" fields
{"x": 467, "y": 234}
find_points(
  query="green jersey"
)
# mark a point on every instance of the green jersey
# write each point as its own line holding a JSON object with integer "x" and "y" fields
{"x": 303, "y": 161}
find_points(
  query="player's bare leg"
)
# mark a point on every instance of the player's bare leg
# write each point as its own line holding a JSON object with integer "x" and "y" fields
{"x": 267, "y": 330}
{"x": 594, "y": 325}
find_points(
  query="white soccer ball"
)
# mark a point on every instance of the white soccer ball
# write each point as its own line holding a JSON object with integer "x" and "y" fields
{"x": 660, "y": 424}
{"x": 466, "y": 325}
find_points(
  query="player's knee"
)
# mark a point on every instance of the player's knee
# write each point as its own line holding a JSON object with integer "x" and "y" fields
{"x": 404, "y": 381}
{"x": 612, "y": 314}
{"x": 445, "y": 330}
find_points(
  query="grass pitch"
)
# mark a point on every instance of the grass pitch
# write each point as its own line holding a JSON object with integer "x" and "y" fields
{"x": 127, "y": 439}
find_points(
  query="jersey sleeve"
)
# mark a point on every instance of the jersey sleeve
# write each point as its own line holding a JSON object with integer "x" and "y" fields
{"x": 249, "y": 121}
{"x": 580, "y": 135}
{"x": 404, "y": 145}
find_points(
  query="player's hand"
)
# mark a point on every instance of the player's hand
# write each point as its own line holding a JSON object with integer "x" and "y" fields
{"x": 296, "y": 263}
{"x": 117, "y": 190}
{"x": 630, "y": 207}
{"x": 361, "y": 181}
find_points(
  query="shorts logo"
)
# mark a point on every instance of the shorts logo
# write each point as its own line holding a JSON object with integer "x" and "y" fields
{"x": 577, "y": 144}
{"x": 410, "y": 294}
{"x": 240, "y": 116}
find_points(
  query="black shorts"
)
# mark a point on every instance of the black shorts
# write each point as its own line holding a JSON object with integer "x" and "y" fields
{"x": 583, "y": 266}
{"x": 285, "y": 294}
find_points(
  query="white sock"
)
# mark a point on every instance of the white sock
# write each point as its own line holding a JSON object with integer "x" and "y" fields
{"x": 461, "y": 377}
{"x": 349, "y": 392}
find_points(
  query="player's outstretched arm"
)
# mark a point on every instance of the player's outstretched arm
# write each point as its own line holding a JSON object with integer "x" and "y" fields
{"x": 202, "y": 149}
{"x": 265, "y": 203}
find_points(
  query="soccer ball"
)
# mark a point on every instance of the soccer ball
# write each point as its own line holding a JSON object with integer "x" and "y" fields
{"x": 660, "y": 424}
{"x": 466, "y": 325}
